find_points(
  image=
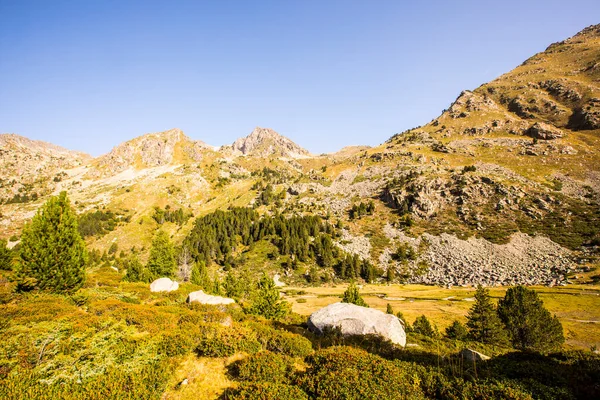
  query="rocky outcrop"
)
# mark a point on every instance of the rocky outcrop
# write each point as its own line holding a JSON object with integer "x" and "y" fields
{"x": 203, "y": 298}
{"x": 473, "y": 356}
{"x": 541, "y": 130}
{"x": 164, "y": 285}
{"x": 264, "y": 142}
{"x": 586, "y": 117}
{"x": 351, "y": 319}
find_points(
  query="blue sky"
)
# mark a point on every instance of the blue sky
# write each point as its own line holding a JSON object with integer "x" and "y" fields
{"x": 88, "y": 75}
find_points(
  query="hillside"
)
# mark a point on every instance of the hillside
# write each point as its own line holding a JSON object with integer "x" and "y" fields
{"x": 502, "y": 188}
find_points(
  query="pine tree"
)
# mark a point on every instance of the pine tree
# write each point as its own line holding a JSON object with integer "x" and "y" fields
{"x": 391, "y": 274}
{"x": 389, "y": 309}
{"x": 52, "y": 255}
{"x": 483, "y": 322}
{"x": 352, "y": 296}
{"x": 5, "y": 256}
{"x": 135, "y": 270}
{"x": 200, "y": 276}
{"x": 530, "y": 325}
{"x": 456, "y": 331}
{"x": 162, "y": 257}
{"x": 266, "y": 301}
{"x": 424, "y": 327}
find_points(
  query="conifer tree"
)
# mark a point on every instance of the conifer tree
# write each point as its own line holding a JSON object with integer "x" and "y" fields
{"x": 391, "y": 274}
{"x": 5, "y": 256}
{"x": 351, "y": 295}
{"x": 424, "y": 327}
{"x": 162, "y": 256}
{"x": 456, "y": 331}
{"x": 266, "y": 301}
{"x": 389, "y": 309}
{"x": 482, "y": 321}
{"x": 200, "y": 276}
{"x": 530, "y": 325}
{"x": 52, "y": 255}
{"x": 135, "y": 270}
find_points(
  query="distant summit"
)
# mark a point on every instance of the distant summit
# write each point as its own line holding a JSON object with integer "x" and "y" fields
{"x": 265, "y": 142}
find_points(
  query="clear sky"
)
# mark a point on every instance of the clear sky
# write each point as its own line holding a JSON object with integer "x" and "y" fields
{"x": 88, "y": 75}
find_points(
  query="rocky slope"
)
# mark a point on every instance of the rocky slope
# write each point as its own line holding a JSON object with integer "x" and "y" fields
{"x": 264, "y": 142}
{"x": 502, "y": 188}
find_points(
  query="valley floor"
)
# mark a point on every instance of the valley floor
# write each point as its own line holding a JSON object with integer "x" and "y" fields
{"x": 577, "y": 306}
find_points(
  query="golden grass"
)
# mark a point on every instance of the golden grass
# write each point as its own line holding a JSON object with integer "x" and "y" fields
{"x": 577, "y": 306}
{"x": 207, "y": 378}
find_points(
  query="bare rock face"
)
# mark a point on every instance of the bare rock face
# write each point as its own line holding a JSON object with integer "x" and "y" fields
{"x": 473, "y": 356}
{"x": 151, "y": 150}
{"x": 541, "y": 130}
{"x": 264, "y": 142}
{"x": 356, "y": 320}
{"x": 203, "y": 298}
{"x": 468, "y": 102}
{"x": 587, "y": 116}
{"x": 163, "y": 285}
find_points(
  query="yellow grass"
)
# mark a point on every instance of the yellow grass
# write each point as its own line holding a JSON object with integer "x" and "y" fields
{"x": 577, "y": 306}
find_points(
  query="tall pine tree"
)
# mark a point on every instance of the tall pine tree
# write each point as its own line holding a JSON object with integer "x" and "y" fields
{"x": 351, "y": 295}
{"x": 530, "y": 325}
{"x": 136, "y": 272}
{"x": 52, "y": 256}
{"x": 483, "y": 322}
{"x": 200, "y": 276}
{"x": 162, "y": 262}
{"x": 5, "y": 256}
{"x": 267, "y": 302}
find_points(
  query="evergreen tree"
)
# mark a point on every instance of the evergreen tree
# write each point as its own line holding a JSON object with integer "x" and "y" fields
{"x": 266, "y": 301}
{"x": 391, "y": 274}
{"x": 52, "y": 254}
{"x": 424, "y": 327}
{"x": 456, "y": 331}
{"x": 351, "y": 295}
{"x": 530, "y": 325}
{"x": 162, "y": 257}
{"x": 135, "y": 270}
{"x": 5, "y": 256}
{"x": 404, "y": 322}
{"x": 389, "y": 309}
{"x": 483, "y": 322}
{"x": 200, "y": 276}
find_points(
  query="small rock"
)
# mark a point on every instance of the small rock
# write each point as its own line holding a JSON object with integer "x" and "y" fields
{"x": 203, "y": 298}
{"x": 163, "y": 285}
{"x": 473, "y": 356}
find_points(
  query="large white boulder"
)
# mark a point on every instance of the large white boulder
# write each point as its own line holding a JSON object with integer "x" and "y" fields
{"x": 356, "y": 320}
{"x": 203, "y": 298}
{"x": 163, "y": 285}
{"x": 473, "y": 356}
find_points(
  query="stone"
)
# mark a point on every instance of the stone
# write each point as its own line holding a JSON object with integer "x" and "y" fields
{"x": 541, "y": 130}
{"x": 278, "y": 283}
{"x": 203, "y": 298}
{"x": 163, "y": 285}
{"x": 356, "y": 320}
{"x": 473, "y": 356}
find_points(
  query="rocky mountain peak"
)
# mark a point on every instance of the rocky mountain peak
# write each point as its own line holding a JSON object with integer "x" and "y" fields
{"x": 266, "y": 142}
{"x": 152, "y": 150}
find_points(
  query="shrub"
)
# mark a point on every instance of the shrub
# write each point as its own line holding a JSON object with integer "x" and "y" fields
{"x": 280, "y": 341}
{"x": 264, "y": 391}
{"x": 175, "y": 344}
{"x": 348, "y": 373}
{"x": 217, "y": 341}
{"x": 351, "y": 295}
{"x": 263, "y": 366}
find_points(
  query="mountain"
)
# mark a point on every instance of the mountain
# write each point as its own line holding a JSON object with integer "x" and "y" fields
{"x": 502, "y": 188}
{"x": 264, "y": 142}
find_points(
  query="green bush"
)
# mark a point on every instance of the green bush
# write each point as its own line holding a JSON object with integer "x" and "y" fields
{"x": 218, "y": 341}
{"x": 348, "y": 373}
{"x": 281, "y": 341}
{"x": 175, "y": 344}
{"x": 263, "y": 366}
{"x": 264, "y": 391}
